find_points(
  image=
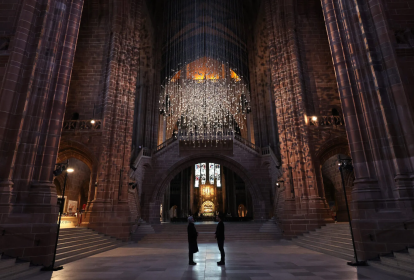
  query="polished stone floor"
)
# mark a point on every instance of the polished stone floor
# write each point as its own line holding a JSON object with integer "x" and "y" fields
{"x": 256, "y": 260}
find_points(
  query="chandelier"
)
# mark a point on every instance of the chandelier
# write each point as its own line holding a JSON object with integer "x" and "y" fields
{"x": 205, "y": 95}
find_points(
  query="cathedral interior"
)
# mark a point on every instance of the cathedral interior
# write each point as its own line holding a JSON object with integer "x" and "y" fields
{"x": 123, "y": 115}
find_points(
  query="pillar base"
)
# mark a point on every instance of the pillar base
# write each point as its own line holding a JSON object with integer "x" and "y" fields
{"x": 108, "y": 218}
{"x": 313, "y": 214}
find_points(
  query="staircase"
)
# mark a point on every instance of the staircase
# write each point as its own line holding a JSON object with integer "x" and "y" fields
{"x": 11, "y": 268}
{"x": 271, "y": 227}
{"x": 401, "y": 263}
{"x": 78, "y": 243}
{"x": 234, "y": 231}
{"x": 142, "y": 230}
{"x": 332, "y": 239}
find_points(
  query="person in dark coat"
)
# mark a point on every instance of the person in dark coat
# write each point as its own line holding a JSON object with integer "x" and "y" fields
{"x": 220, "y": 238}
{"x": 192, "y": 240}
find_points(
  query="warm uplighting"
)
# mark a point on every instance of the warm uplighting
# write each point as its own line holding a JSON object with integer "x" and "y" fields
{"x": 234, "y": 76}
{"x": 70, "y": 170}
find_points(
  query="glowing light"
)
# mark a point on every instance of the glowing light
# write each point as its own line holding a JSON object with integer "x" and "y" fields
{"x": 205, "y": 105}
{"x": 314, "y": 118}
{"x": 92, "y": 121}
{"x": 70, "y": 170}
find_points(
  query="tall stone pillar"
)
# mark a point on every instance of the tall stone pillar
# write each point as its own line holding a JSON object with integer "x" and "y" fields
{"x": 32, "y": 105}
{"x": 303, "y": 208}
{"x": 109, "y": 213}
{"x": 379, "y": 124}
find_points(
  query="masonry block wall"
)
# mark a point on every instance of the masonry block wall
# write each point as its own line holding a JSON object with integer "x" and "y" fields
{"x": 42, "y": 39}
{"x": 104, "y": 88}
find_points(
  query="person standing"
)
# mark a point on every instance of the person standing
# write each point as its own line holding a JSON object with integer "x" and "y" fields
{"x": 220, "y": 238}
{"x": 192, "y": 240}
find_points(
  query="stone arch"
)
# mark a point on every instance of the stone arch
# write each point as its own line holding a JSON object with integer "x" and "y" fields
{"x": 73, "y": 149}
{"x": 189, "y": 161}
{"x": 338, "y": 145}
{"x": 160, "y": 185}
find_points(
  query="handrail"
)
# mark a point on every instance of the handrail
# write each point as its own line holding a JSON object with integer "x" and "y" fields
{"x": 327, "y": 121}
{"x": 163, "y": 145}
{"x": 248, "y": 144}
{"x": 145, "y": 152}
{"x": 82, "y": 125}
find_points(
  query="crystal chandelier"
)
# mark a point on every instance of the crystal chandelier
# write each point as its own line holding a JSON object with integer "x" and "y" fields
{"x": 204, "y": 96}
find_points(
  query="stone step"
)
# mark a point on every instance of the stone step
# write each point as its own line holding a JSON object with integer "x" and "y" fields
{"x": 76, "y": 257}
{"x": 398, "y": 263}
{"x": 392, "y": 269}
{"x": 74, "y": 230}
{"x": 78, "y": 236}
{"x": 14, "y": 269}
{"x": 407, "y": 257}
{"x": 23, "y": 275}
{"x": 332, "y": 239}
{"x": 82, "y": 250}
{"x": 169, "y": 237}
{"x": 199, "y": 242}
{"x": 4, "y": 263}
{"x": 77, "y": 243}
{"x": 339, "y": 237}
{"x": 325, "y": 250}
{"x": 75, "y": 246}
{"x": 346, "y": 243}
{"x": 85, "y": 239}
{"x": 333, "y": 231}
{"x": 331, "y": 247}
{"x": 328, "y": 234}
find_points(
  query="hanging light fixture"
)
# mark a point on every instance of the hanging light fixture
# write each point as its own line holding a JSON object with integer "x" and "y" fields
{"x": 205, "y": 94}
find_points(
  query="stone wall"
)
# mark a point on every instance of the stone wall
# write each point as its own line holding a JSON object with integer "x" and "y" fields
{"x": 303, "y": 83}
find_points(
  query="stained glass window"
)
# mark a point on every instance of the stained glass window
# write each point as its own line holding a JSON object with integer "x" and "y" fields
{"x": 211, "y": 176}
{"x": 197, "y": 169}
{"x": 217, "y": 170}
{"x": 203, "y": 168}
{"x": 211, "y": 173}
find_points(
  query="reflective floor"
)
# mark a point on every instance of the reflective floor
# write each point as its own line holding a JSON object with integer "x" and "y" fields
{"x": 256, "y": 260}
